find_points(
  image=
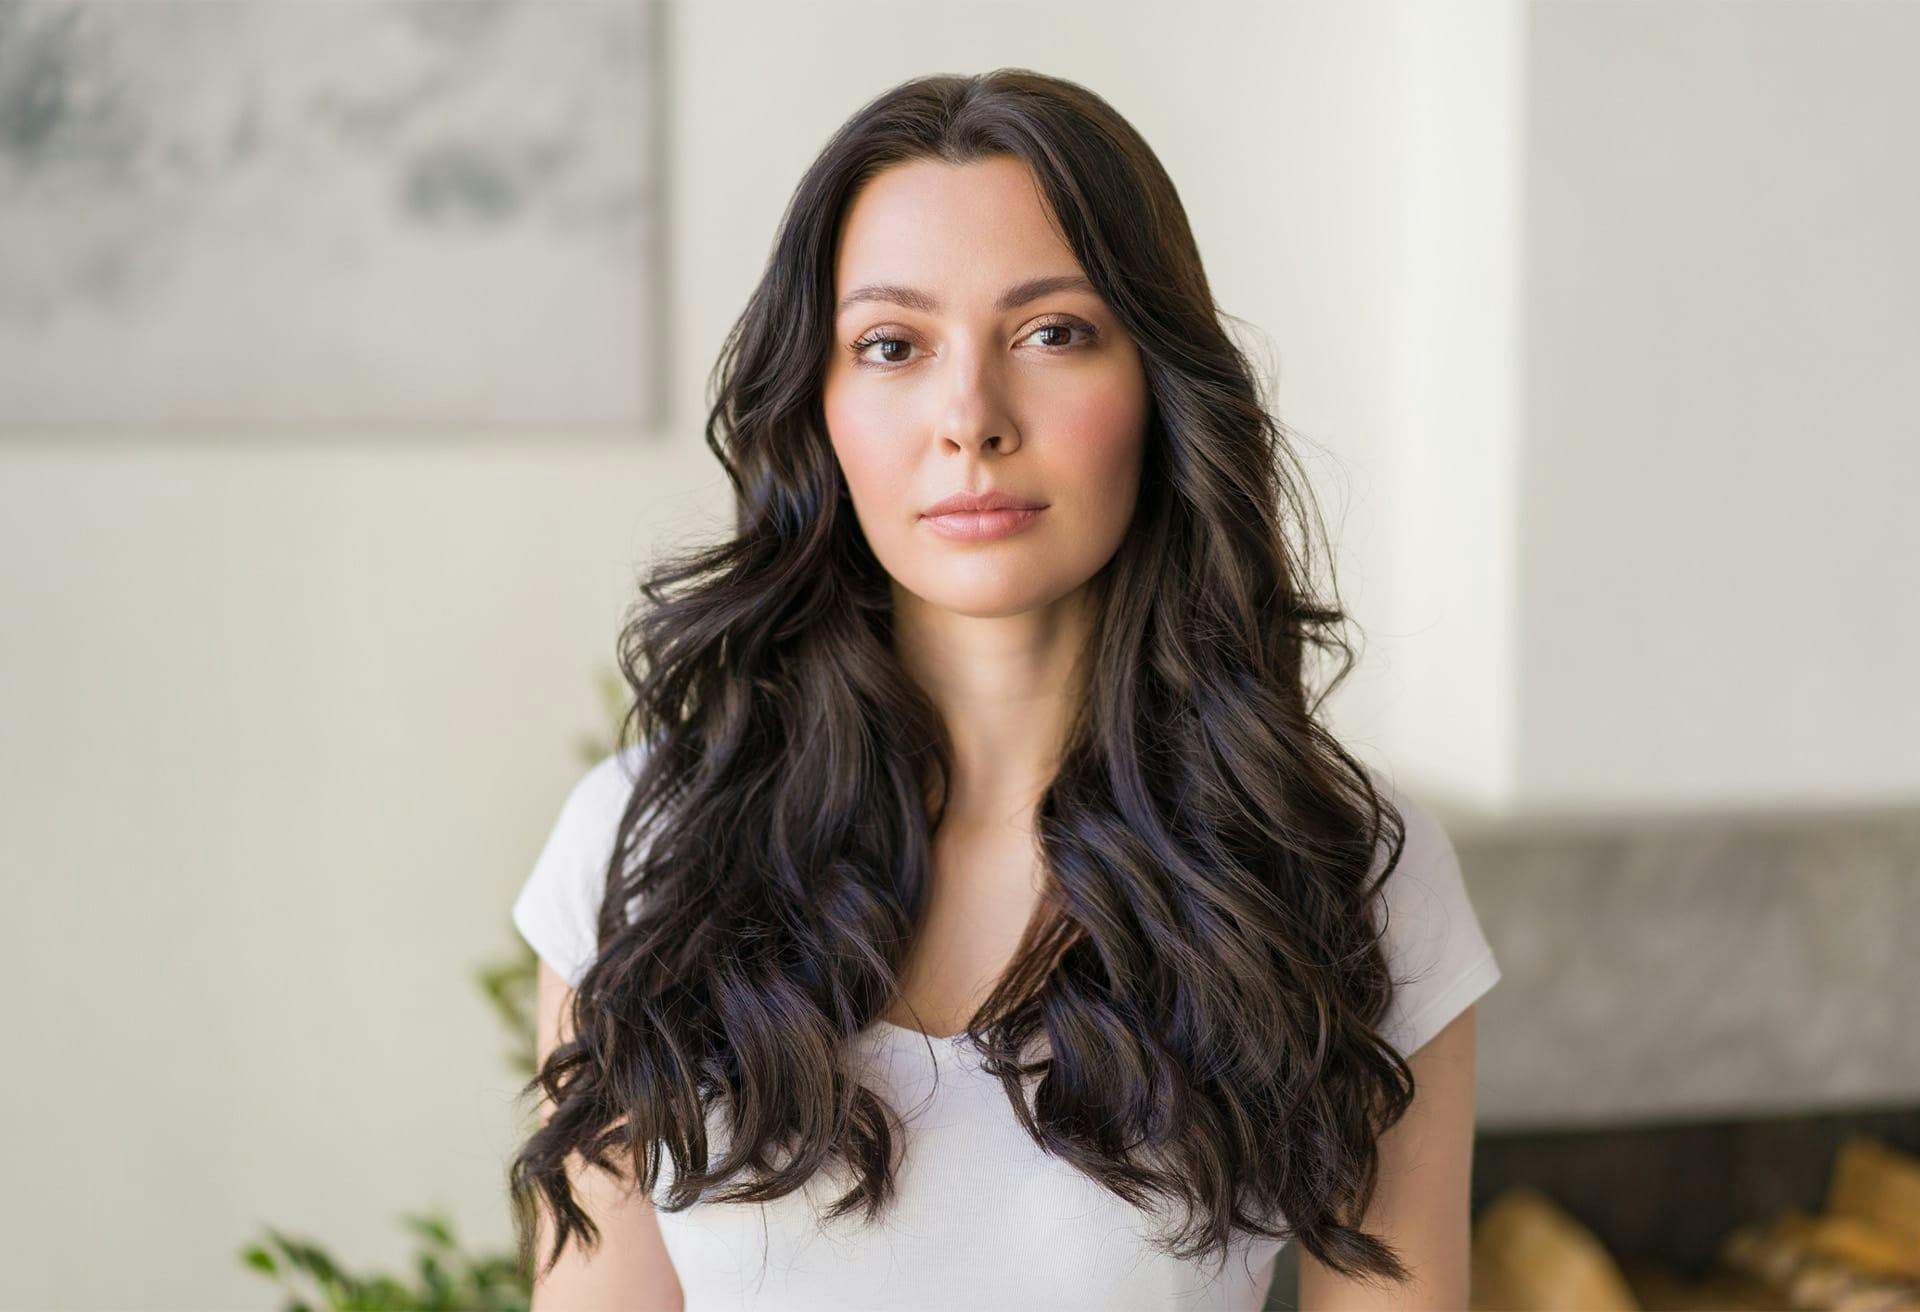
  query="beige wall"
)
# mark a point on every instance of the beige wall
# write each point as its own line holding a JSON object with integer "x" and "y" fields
{"x": 1720, "y": 563}
{"x": 286, "y": 723}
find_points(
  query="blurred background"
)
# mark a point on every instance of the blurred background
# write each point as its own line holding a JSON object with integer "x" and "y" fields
{"x": 352, "y": 367}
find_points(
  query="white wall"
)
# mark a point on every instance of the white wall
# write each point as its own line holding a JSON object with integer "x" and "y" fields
{"x": 286, "y": 724}
{"x": 1447, "y": 672}
{"x": 1720, "y": 564}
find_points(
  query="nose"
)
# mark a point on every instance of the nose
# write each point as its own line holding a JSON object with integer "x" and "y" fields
{"x": 974, "y": 415}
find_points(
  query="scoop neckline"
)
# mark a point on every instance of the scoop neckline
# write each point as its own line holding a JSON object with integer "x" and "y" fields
{"x": 948, "y": 1039}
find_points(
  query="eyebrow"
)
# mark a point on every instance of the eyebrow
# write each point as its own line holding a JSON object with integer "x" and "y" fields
{"x": 914, "y": 299}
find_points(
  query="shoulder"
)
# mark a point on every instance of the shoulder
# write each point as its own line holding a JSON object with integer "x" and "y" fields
{"x": 1427, "y": 855}
{"x": 1437, "y": 951}
{"x": 558, "y": 906}
{"x": 589, "y": 818}
{"x": 600, "y": 795}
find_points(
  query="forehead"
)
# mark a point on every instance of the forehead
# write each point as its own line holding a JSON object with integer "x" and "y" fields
{"x": 960, "y": 225}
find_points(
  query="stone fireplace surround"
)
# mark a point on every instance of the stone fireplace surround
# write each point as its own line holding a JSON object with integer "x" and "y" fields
{"x": 1694, "y": 1011}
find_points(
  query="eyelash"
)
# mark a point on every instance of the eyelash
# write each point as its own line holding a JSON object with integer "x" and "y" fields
{"x": 872, "y": 339}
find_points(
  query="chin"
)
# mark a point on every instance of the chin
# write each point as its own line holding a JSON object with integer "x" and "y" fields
{"x": 994, "y": 598}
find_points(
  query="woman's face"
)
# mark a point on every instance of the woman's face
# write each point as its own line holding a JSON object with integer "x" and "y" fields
{"x": 950, "y": 374}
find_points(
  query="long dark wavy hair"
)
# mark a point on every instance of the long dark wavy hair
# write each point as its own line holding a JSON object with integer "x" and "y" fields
{"x": 1203, "y": 967}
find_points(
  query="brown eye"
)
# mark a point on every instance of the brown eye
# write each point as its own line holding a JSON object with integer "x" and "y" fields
{"x": 861, "y": 347}
{"x": 1061, "y": 331}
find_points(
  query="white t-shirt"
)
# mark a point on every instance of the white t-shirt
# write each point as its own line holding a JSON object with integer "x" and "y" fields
{"x": 983, "y": 1219}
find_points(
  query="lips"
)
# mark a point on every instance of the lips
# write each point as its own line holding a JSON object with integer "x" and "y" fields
{"x": 983, "y": 525}
{"x": 970, "y": 502}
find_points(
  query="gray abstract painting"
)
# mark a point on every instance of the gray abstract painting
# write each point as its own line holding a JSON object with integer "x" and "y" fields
{"x": 259, "y": 214}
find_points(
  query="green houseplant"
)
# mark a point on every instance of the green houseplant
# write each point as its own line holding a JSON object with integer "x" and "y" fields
{"x": 444, "y": 1277}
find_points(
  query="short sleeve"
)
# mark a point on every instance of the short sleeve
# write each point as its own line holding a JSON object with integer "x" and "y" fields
{"x": 558, "y": 908}
{"x": 1438, "y": 955}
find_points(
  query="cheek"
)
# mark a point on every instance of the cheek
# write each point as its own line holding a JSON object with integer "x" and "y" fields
{"x": 1102, "y": 432}
{"x": 866, "y": 440}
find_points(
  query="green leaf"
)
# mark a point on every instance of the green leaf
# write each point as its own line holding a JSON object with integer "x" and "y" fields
{"x": 433, "y": 1228}
{"x": 313, "y": 1260}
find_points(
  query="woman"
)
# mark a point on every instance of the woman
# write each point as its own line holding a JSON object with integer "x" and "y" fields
{"x": 981, "y": 916}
